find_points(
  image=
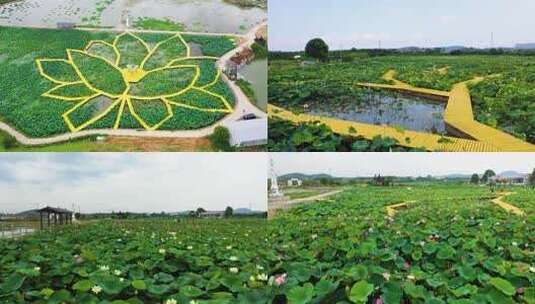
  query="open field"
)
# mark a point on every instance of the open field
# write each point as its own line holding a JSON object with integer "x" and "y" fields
{"x": 502, "y": 100}
{"x": 76, "y": 80}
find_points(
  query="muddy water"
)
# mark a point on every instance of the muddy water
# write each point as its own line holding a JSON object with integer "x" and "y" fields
{"x": 196, "y": 15}
{"x": 397, "y": 111}
{"x": 256, "y": 74}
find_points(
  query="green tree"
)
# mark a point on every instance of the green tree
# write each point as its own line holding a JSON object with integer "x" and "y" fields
{"x": 531, "y": 179}
{"x": 474, "y": 179}
{"x": 488, "y": 174}
{"x": 199, "y": 211}
{"x": 229, "y": 211}
{"x": 221, "y": 139}
{"x": 318, "y": 49}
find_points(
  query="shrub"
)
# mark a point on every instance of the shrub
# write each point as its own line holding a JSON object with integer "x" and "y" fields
{"x": 221, "y": 139}
{"x": 317, "y": 48}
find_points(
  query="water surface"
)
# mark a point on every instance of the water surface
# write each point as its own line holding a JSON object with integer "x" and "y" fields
{"x": 409, "y": 113}
{"x": 197, "y": 15}
{"x": 256, "y": 74}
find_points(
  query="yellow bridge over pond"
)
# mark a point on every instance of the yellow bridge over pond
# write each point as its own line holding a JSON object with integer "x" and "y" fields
{"x": 458, "y": 117}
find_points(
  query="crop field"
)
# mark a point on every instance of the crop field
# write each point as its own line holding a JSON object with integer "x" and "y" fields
{"x": 58, "y": 81}
{"x": 504, "y": 99}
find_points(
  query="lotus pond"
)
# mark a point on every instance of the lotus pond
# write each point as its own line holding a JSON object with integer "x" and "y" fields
{"x": 452, "y": 245}
{"x": 217, "y": 16}
{"x": 57, "y": 81}
{"x": 503, "y": 101}
{"x": 391, "y": 110}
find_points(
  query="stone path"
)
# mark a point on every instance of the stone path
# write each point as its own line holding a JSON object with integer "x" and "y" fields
{"x": 315, "y": 198}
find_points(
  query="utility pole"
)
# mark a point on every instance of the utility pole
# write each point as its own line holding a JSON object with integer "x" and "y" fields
{"x": 379, "y": 44}
{"x": 491, "y": 40}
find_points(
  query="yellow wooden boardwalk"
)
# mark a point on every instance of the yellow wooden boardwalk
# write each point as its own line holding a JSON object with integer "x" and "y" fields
{"x": 508, "y": 207}
{"x": 406, "y": 138}
{"x": 458, "y": 116}
{"x": 393, "y": 209}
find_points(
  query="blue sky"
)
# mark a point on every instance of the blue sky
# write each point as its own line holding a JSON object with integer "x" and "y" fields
{"x": 398, "y": 23}
{"x": 138, "y": 182}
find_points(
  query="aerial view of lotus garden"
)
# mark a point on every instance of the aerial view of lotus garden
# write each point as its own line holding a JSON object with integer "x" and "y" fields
{"x": 139, "y": 72}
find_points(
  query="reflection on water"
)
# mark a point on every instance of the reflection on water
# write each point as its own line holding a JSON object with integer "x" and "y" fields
{"x": 196, "y": 15}
{"x": 256, "y": 74}
{"x": 16, "y": 232}
{"x": 398, "y": 111}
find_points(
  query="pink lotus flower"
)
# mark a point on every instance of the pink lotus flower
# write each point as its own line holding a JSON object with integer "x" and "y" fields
{"x": 280, "y": 279}
{"x": 379, "y": 301}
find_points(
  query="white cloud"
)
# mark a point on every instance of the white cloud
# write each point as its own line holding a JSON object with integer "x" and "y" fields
{"x": 150, "y": 182}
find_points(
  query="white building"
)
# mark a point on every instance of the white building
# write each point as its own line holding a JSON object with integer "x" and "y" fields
{"x": 246, "y": 133}
{"x": 294, "y": 182}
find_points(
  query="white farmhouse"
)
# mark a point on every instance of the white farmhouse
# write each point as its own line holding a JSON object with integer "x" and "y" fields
{"x": 294, "y": 182}
{"x": 246, "y": 133}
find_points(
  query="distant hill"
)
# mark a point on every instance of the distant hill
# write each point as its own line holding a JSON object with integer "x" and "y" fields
{"x": 457, "y": 176}
{"x": 453, "y": 48}
{"x": 512, "y": 174}
{"x": 302, "y": 176}
{"x": 525, "y": 46}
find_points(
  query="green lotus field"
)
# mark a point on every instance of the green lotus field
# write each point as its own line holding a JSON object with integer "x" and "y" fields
{"x": 451, "y": 244}
{"x": 60, "y": 81}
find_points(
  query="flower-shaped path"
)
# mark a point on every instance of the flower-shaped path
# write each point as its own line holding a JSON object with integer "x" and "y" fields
{"x": 130, "y": 74}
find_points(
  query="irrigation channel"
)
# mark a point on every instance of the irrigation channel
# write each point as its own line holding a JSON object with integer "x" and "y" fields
{"x": 198, "y": 16}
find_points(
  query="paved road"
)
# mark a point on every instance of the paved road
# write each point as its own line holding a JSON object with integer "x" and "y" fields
{"x": 242, "y": 106}
{"x": 314, "y": 198}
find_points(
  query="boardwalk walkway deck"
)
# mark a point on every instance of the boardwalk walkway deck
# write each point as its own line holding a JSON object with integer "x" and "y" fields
{"x": 458, "y": 116}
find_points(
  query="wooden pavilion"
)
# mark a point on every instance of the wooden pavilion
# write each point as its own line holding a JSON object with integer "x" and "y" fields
{"x": 54, "y": 216}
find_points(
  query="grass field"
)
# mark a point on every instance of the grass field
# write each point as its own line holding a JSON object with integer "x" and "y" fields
{"x": 450, "y": 245}
{"x": 505, "y": 101}
{"x": 55, "y": 81}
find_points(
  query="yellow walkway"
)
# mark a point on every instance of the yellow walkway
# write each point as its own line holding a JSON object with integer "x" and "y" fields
{"x": 508, "y": 207}
{"x": 393, "y": 209}
{"x": 459, "y": 115}
{"x": 406, "y": 138}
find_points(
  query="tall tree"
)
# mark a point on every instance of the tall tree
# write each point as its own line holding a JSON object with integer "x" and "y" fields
{"x": 474, "y": 179}
{"x": 318, "y": 49}
{"x": 229, "y": 211}
{"x": 488, "y": 174}
{"x": 531, "y": 179}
